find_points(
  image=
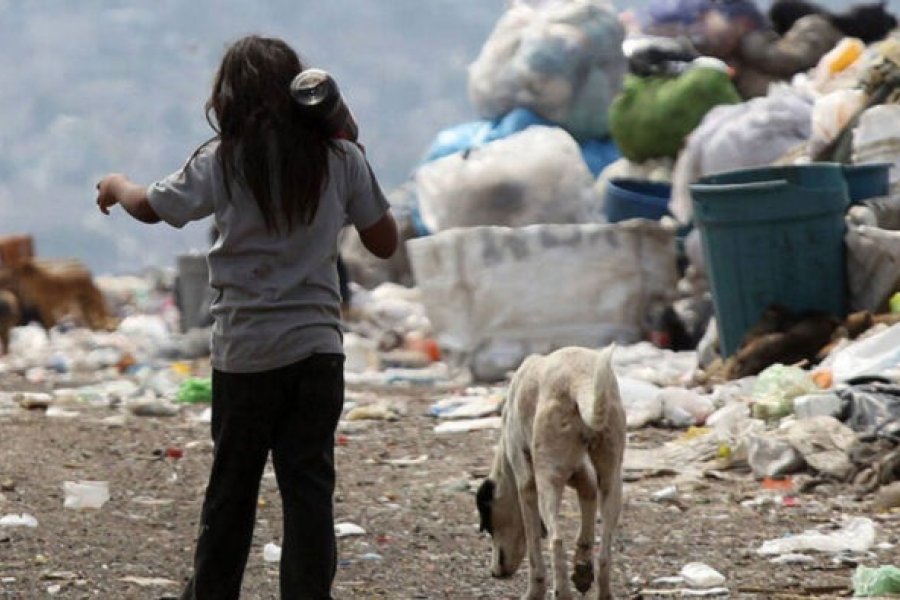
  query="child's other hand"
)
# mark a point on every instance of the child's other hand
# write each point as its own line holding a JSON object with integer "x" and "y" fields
{"x": 106, "y": 192}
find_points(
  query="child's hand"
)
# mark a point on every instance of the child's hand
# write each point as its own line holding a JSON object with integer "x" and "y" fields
{"x": 107, "y": 188}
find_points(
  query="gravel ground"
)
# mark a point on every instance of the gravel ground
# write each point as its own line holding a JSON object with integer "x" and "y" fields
{"x": 421, "y": 537}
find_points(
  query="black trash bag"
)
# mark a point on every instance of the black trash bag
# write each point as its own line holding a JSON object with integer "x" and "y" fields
{"x": 872, "y": 410}
{"x": 653, "y": 55}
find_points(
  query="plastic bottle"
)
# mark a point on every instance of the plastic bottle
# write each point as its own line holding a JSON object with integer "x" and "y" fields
{"x": 318, "y": 93}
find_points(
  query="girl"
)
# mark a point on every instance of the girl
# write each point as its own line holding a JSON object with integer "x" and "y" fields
{"x": 280, "y": 190}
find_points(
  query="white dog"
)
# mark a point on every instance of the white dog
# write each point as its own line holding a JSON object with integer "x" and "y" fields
{"x": 563, "y": 424}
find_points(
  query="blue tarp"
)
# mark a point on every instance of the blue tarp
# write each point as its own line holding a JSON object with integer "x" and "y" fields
{"x": 467, "y": 136}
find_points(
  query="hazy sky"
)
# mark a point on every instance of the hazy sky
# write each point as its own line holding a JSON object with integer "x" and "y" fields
{"x": 97, "y": 85}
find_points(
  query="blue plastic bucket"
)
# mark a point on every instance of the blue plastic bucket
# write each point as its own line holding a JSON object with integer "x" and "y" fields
{"x": 867, "y": 180}
{"x": 773, "y": 235}
{"x": 636, "y": 198}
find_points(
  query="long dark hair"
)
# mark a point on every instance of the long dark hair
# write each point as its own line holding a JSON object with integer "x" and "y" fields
{"x": 264, "y": 138}
{"x": 869, "y": 22}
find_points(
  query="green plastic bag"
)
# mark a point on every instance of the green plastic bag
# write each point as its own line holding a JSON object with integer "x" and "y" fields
{"x": 879, "y": 581}
{"x": 652, "y": 116}
{"x": 196, "y": 390}
{"x": 775, "y": 389}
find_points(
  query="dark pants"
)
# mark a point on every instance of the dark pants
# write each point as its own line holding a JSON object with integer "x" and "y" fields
{"x": 292, "y": 411}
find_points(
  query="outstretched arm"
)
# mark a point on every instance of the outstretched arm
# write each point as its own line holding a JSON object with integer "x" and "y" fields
{"x": 115, "y": 188}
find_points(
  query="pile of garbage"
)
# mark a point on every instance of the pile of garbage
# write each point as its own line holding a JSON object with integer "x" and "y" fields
{"x": 682, "y": 95}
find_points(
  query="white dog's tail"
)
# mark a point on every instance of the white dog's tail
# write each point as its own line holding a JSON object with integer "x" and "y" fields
{"x": 604, "y": 389}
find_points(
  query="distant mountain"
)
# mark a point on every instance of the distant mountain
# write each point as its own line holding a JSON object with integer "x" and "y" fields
{"x": 95, "y": 86}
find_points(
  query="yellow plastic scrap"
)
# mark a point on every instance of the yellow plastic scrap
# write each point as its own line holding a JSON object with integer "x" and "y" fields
{"x": 844, "y": 54}
{"x": 694, "y": 432}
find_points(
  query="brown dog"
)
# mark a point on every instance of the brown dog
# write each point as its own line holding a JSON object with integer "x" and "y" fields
{"x": 61, "y": 289}
{"x": 9, "y": 318}
{"x": 563, "y": 424}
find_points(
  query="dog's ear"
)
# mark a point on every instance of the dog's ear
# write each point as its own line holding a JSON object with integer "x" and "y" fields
{"x": 484, "y": 499}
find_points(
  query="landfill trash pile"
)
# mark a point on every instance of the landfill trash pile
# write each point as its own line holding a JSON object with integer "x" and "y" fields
{"x": 412, "y": 446}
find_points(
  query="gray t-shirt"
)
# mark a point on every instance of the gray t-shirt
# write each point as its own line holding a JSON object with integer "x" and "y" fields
{"x": 277, "y": 297}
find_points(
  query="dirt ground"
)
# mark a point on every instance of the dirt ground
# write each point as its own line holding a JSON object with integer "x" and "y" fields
{"x": 421, "y": 537}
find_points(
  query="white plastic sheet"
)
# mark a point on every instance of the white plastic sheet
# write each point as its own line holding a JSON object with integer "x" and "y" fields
{"x": 85, "y": 494}
{"x": 870, "y": 356}
{"x": 856, "y": 535}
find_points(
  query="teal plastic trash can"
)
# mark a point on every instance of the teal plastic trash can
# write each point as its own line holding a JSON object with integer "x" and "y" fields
{"x": 869, "y": 180}
{"x": 772, "y": 235}
{"x": 636, "y": 199}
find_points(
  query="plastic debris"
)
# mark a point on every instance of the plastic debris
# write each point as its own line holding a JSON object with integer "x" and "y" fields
{"x": 771, "y": 456}
{"x": 879, "y": 581}
{"x": 466, "y": 407}
{"x": 667, "y": 493}
{"x": 342, "y": 530}
{"x": 148, "y": 581}
{"x": 361, "y": 354}
{"x": 815, "y": 405}
{"x": 870, "y": 356}
{"x": 699, "y": 575}
{"x": 195, "y": 390}
{"x": 406, "y": 462}
{"x": 468, "y": 425}
{"x": 683, "y": 408}
{"x": 371, "y": 556}
{"x": 641, "y": 401}
{"x": 21, "y": 520}
{"x": 85, "y": 494}
{"x": 373, "y": 412}
{"x": 856, "y": 535}
{"x": 271, "y": 553}
{"x": 57, "y": 412}
{"x": 775, "y": 390}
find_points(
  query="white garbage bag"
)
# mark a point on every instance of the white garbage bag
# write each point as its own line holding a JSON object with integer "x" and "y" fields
{"x": 564, "y": 60}
{"x": 535, "y": 176}
{"x": 755, "y": 133}
{"x": 877, "y": 138}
